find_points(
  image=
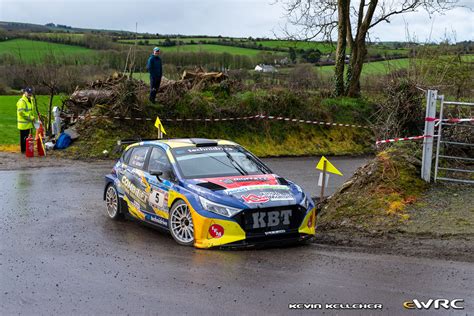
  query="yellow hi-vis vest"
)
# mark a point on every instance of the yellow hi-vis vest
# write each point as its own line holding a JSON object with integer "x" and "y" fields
{"x": 24, "y": 113}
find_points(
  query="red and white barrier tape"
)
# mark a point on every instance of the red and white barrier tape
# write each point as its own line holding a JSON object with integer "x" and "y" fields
{"x": 449, "y": 120}
{"x": 392, "y": 140}
{"x": 279, "y": 118}
{"x": 242, "y": 118}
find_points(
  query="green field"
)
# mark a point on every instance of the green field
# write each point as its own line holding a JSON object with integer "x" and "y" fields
{"x": 211, "y": 48}
{"x": 467, "y": 58}
{"x": 373, "y": 68}
{"x": 8, "y": 126}
{"x": 182, "y": 39}
{"x": 35, "y": 51}
{"x": 72, "y": 38}
{"x": 58, "y": 35}
{"x": 323, "y": 47}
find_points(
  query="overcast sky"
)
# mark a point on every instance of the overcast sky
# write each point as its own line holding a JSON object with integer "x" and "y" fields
{"x": 237, "y": 18}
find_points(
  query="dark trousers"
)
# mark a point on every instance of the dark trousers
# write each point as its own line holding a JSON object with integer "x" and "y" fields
{"x": 154, "y": 86}
{"x": 24, "y": 133}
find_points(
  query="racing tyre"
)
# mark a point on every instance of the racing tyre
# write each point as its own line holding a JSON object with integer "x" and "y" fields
{"x": 112, "y": 202}
{"x": 181, "y": 224}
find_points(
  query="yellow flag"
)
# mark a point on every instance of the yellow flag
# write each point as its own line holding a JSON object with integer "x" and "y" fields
{"x": 159, "y": 125}
{"x": 329, "y": 166}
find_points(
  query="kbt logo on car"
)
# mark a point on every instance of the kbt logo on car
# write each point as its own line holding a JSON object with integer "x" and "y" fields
{"x": 271, "y": 219}
{"x": 216, "y": 231}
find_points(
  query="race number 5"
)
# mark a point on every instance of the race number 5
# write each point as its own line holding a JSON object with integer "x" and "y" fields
{"x": 157, "y": 199}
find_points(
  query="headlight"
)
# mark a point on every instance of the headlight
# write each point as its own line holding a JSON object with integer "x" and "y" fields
{"x": 218, "y": 208}
{"x": 305, "y": 202}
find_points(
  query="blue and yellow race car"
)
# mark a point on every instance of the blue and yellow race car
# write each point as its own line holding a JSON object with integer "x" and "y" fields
{"x": 208, "y": 193}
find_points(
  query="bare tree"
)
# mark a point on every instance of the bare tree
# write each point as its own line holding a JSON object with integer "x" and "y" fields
{"x": 351, "y": 21}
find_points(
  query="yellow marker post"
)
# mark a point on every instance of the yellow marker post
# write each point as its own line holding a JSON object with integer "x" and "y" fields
{"x": 160, "y": 127}
{"x": 325, "y": 166}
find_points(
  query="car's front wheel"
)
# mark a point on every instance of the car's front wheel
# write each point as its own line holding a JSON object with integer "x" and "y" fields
{"x": 112, "y": 203}
{"x": 181, "y": 224}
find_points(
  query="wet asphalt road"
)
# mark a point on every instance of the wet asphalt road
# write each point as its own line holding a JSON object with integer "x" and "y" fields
{"x": 59, "y": 254}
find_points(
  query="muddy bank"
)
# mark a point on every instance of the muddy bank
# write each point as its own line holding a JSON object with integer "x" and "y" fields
{"x": 439, "y": 224}
{"x": 458, "y": 248}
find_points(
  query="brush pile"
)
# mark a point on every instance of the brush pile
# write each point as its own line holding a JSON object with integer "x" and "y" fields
{"x": 190, "y": 80}
{"x": 120, "y": 95}
{"x": 117, "y": 94}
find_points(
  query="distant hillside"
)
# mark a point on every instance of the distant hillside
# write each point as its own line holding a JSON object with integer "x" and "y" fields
{"x": 51, "y": 27}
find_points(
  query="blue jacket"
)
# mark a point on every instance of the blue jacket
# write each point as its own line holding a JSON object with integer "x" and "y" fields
{"x": 154, "y": 66}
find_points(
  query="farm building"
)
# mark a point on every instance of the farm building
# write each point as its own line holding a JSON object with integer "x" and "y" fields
{"x": 265, "y": 68}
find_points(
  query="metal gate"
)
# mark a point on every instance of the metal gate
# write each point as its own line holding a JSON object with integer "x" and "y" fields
{"x": 448, "y": 165}
{"x": 454, "y": 159}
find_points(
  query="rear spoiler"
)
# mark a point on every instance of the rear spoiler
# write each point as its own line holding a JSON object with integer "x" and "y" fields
{"x": 129, "y": 141}
{"x": 122, "y": 142}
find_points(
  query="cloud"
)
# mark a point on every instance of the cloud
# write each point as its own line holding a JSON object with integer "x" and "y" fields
{"x": 238, "y": 18}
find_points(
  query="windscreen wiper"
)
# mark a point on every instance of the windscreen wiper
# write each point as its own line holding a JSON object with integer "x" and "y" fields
{"x": 261, "y": 167}
{"x": 234, "y": 162}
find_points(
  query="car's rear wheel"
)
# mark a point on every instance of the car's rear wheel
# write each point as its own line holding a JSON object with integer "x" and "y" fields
{"x": 112, "y": 203}
{"x": 181, "y": 224}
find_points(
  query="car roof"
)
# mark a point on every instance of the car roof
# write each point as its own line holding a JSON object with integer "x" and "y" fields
{"x": 186, "y": 142}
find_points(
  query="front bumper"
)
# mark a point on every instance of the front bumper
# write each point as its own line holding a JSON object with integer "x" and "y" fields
{"x": 282, "y": 240}
{"x": 233, "y": 236}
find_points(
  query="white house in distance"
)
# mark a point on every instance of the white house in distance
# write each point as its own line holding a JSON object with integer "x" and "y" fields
{"x": 265, "y": 68}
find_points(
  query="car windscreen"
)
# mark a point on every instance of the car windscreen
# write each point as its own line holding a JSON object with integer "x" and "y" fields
{"x": 217, "y": 161}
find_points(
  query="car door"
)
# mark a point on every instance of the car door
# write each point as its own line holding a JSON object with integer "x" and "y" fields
{"x": 157, "y": 210}
{"x": 132, "y": 182}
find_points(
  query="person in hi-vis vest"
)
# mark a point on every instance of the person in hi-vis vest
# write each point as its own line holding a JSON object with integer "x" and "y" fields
{"x": 25, "y": 116}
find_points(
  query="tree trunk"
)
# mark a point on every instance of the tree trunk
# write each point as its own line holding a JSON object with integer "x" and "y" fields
{"x": 343, "y": 19}
{"x": 359, "y": 52}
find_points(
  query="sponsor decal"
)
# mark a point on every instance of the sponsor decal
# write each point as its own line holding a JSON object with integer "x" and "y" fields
{"x": 156, "y": 219}
{"x": 206, "y": 149}
{"x": 241, "y": 181}
{"x": 275, "y": 232}
{"x": 158, "y": 198}
{"x": 271, "y": 219}
{"x": 434, "y": 303}
{"x": 255, "y": 188}
{"x": 252, "y": 198}
{"x": 216, "y": 231}
{"x": 132, "y": 190}
{"x": 263, "y": 197}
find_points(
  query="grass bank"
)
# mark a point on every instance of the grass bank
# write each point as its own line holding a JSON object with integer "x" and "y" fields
{"x": 375, "y": 199}
{"x": 264, "y": 138}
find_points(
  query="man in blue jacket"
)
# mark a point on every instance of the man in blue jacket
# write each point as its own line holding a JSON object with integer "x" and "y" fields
{"x": 155, "y": 69}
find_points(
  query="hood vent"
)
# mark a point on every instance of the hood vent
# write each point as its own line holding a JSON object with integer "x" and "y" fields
{"x": 282, "y": 181}
{"x": 211, "y": 186}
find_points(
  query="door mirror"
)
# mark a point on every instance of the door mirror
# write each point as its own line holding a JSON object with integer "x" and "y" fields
{"x": 156, "y": 173}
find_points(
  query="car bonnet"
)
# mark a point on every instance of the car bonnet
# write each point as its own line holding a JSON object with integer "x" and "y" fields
{"x": 248, "y": 191}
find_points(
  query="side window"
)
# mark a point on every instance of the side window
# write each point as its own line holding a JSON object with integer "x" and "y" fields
{"x": 159, "y": 161}
{"x": 126, "y": 156}
{"x": 138, "y": 157}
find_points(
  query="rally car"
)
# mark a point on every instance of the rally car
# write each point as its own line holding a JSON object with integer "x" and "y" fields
{"x": 208, "y": 193}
